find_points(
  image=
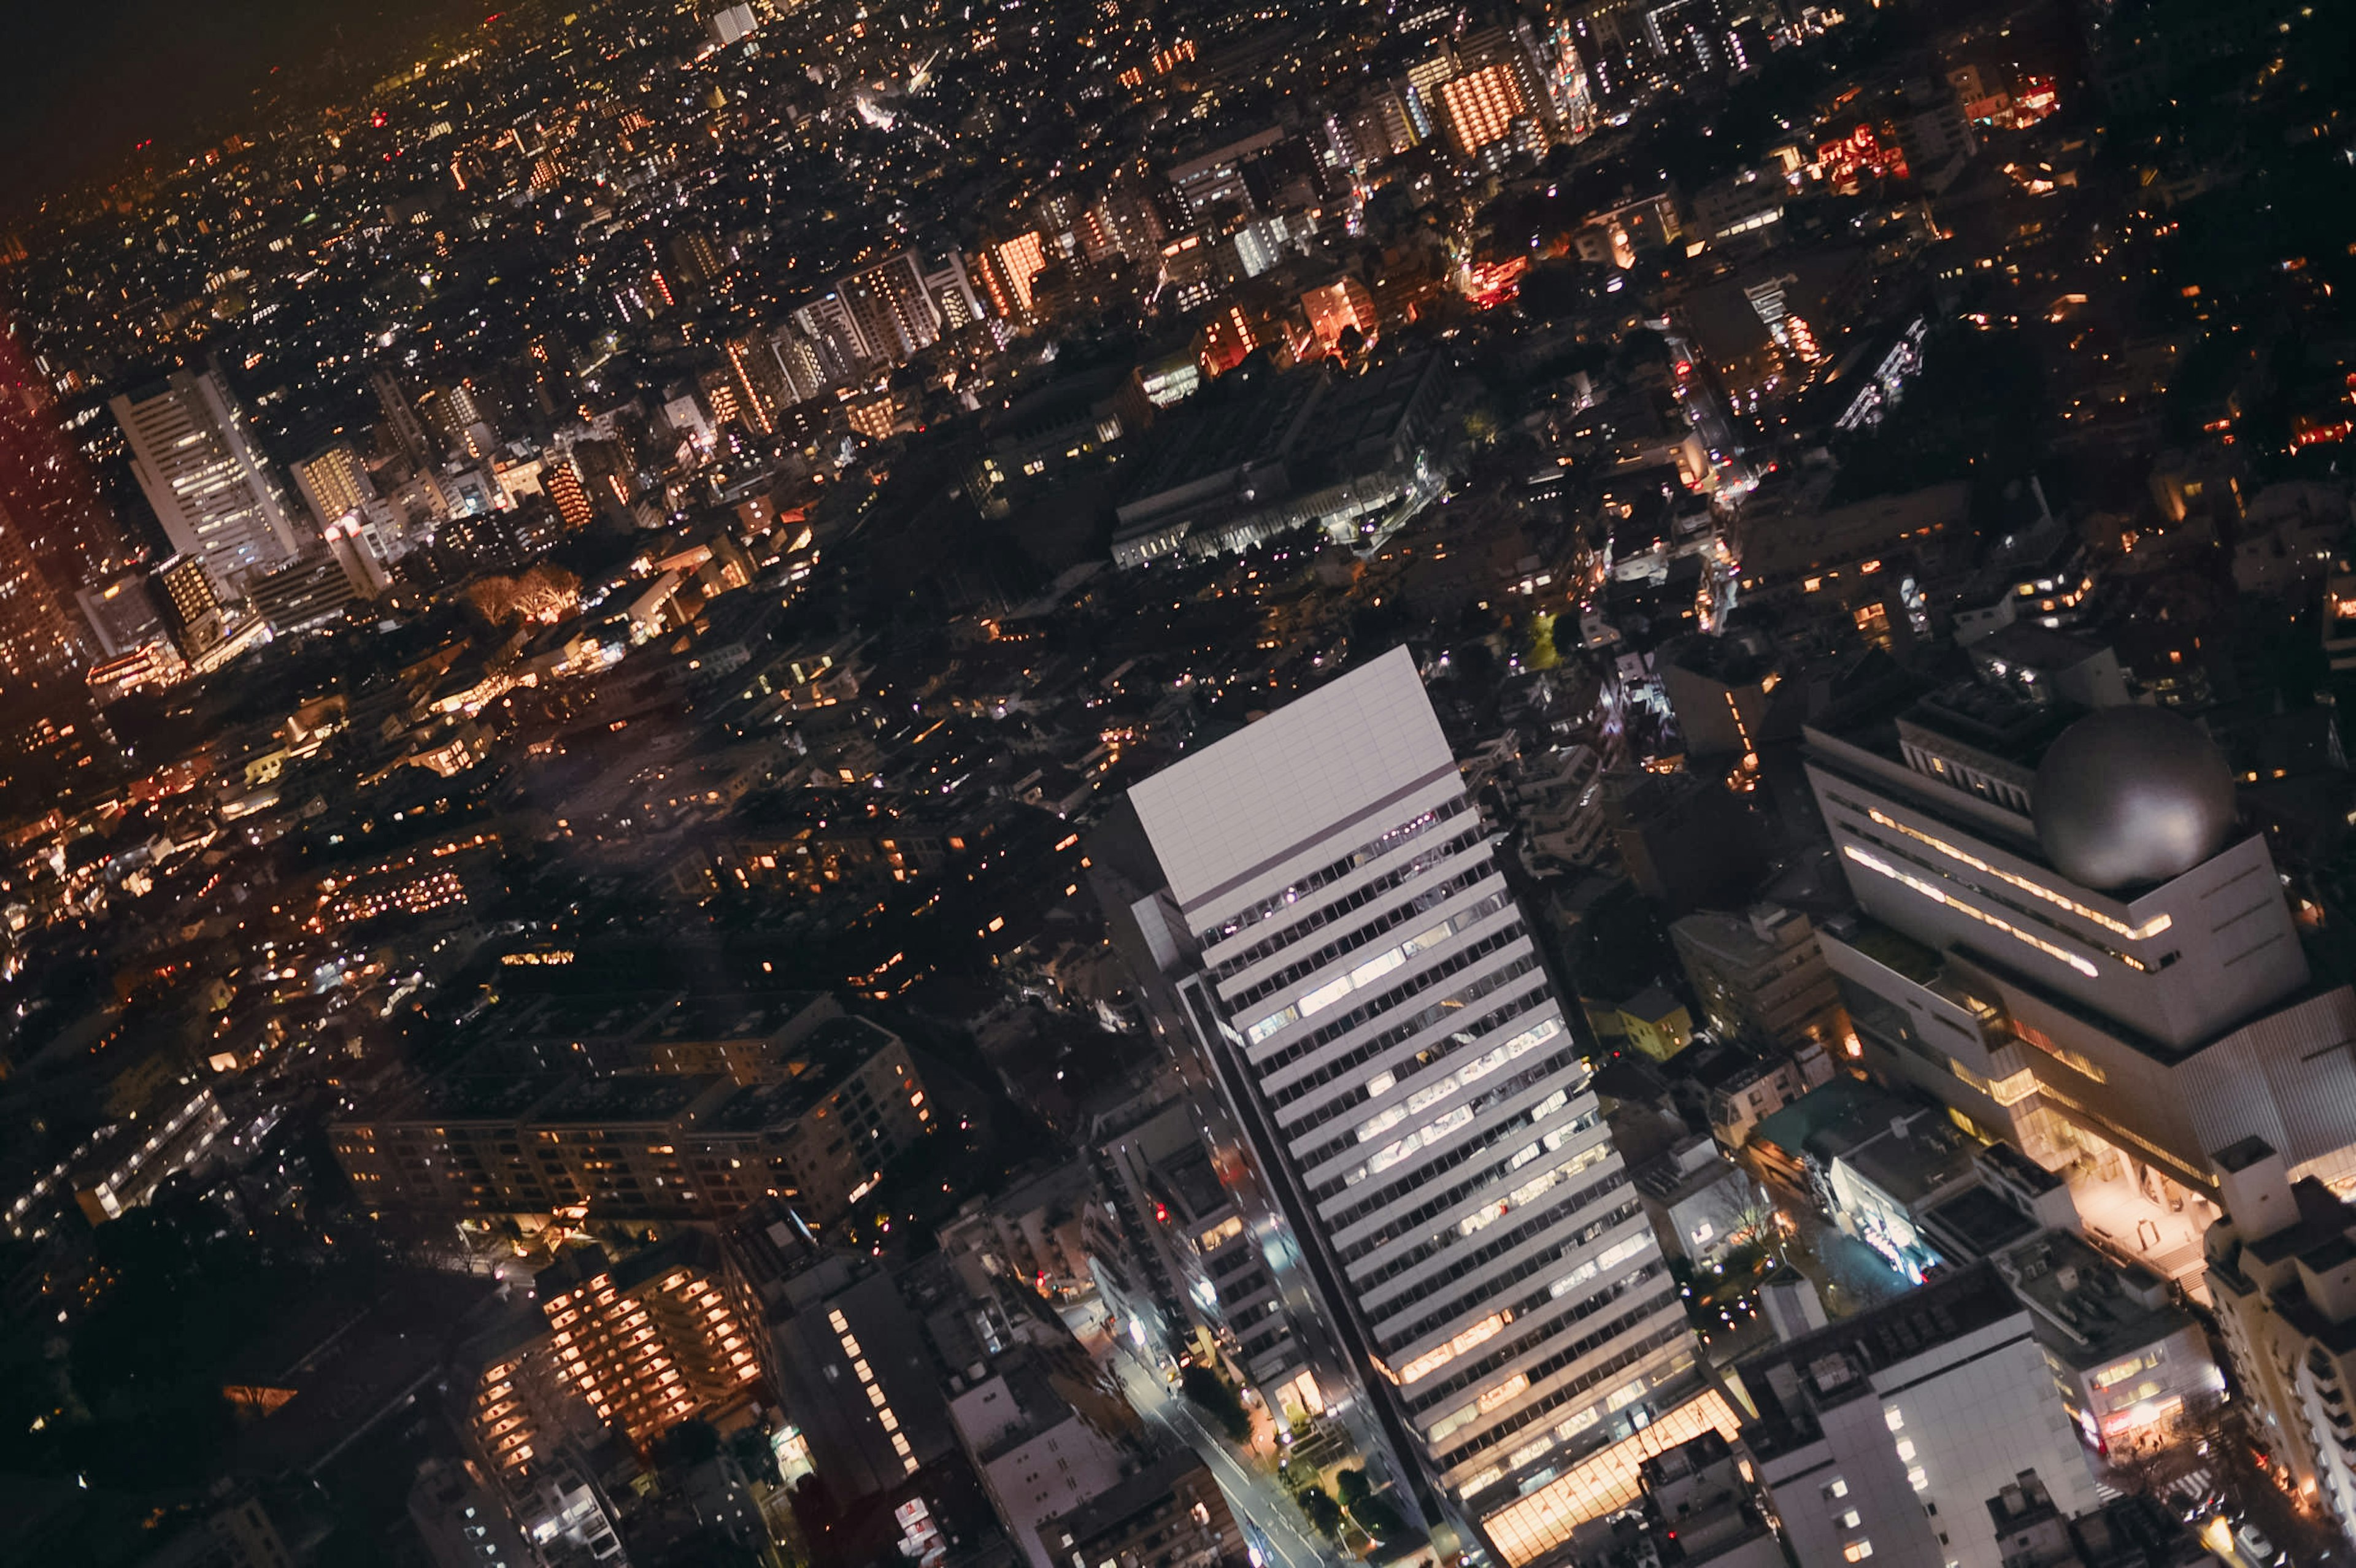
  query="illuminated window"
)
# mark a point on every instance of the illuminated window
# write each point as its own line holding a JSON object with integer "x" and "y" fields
{"x": 1857, "y": 1550}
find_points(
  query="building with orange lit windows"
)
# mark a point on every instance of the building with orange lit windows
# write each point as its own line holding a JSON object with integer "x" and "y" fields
{"x": 1007, "y": 268}
{"x": 1368, "y": 992}
{"x": 1480, "y": 107}
{"x": 646, "y": 1145}
{"x": 1333, "y": 308}
{"x": 845, "y": 1348}
{"x": 650, "y": 1341}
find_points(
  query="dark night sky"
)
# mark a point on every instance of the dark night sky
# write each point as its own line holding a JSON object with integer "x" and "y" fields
{"x": 83, "y": 82}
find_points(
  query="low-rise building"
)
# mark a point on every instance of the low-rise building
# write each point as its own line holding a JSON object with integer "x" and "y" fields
{"x": 1702, "y": 1205}
{"x": 2130, "y": 1359}
{"x": 2125, "y": 1532}
{"x": 1762, "y": 972}
{"x": 1168, "y": 1515}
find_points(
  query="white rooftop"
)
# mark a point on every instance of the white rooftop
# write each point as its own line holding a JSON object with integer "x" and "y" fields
{"x": 1258, "y": 798}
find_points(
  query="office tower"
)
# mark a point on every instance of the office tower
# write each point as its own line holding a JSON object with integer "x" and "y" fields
{"x": 1881, "y": 1436}
{"x": 123, "y": 615}
{"x": 195, "y": 458}
{"x": 334, "y": 482}
{"x": 191, "y": 610}
{"x": 45, "y": 487}
{"x": 1373, "y": 1004}
{"x": 39, "y": 634}
{"x": 2282, "y": 1272}
{"x": 400, "y": 418}
{"x": 2064, "y": 937}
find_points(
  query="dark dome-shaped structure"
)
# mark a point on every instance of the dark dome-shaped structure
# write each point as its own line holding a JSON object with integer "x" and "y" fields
{"x": 2131, "y": 796}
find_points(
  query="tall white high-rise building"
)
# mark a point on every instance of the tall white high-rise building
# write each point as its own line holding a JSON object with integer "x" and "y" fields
{"x": 1355, "y": 970}
{"x": 196, "y": 460}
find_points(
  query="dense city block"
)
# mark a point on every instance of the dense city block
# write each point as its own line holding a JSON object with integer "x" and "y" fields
{"x": 1153, "y": 784}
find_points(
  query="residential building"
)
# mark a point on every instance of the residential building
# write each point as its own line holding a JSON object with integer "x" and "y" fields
{"x": 646, "y": 1145}
{"x": 334, "y": 482}
{"x": 461, "y": 1521}
{"x": 650, "y": 1340}
{"x": 1479, "y": 107}
{"x": 1031, "y": 1232}
{"x": 1371, "y": 1001}
{"x": 1762, "y": 974}
{"x": 844, "y": 1350}
{"x": 1702, "y": 1204}
{"x": 2282, "y": 1272}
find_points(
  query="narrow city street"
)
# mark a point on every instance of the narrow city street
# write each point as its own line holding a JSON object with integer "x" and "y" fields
{"x": 1275, "y": 1522}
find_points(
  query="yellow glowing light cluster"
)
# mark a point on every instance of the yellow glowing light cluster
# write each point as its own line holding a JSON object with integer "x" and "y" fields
{"x": 2149, "y": 928}
{"x": 1432, "y": 1361}
{"x": 866, "y": 1376}
{"x": 1938, "y": 895}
